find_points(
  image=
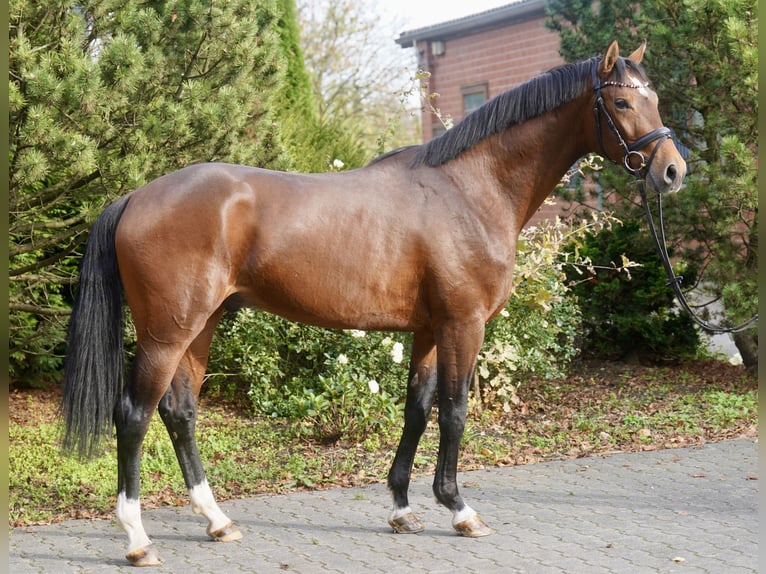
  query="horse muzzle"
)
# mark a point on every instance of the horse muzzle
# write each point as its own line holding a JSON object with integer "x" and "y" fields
{"x": 666, "y": 169}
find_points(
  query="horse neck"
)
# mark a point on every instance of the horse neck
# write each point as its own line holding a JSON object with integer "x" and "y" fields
{"x": 530, "y": 159}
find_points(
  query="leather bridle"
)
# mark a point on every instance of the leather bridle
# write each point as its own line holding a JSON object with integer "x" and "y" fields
{"x": 633, "y": 150}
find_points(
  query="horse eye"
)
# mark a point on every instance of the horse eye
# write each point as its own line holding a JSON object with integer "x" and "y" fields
{"x": 621, "y": 104}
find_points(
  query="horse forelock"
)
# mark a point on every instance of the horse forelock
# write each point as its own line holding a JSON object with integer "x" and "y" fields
{"x": 533, "y": 98}
{"x": 625, "y": 69}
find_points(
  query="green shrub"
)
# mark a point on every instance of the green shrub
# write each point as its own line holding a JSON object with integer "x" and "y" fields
{"x": 337, "y": 383}
{"x": 630, "y": 314}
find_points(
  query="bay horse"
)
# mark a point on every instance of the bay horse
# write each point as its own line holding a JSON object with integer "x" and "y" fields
{"x": 422, "y": 239}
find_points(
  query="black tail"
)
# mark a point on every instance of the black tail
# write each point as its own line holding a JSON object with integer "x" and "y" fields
{"x": 94, "y": 364}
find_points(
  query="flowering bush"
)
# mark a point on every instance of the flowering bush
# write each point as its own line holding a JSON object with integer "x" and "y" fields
{"x": 349, "y": 403}
{"x": 336, "y": 383}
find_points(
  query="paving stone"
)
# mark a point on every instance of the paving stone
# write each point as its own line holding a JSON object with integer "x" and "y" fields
{"x": 631, "y": 513}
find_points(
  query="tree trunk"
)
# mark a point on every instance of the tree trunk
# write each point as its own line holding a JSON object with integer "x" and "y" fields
{"x": 747, "y": 345}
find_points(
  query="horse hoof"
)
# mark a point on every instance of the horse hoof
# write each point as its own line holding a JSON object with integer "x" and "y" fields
{"x": 406, "y": 524}
{"x": 228, "y": 533}
{"x": 473, "y": 527}
{"x": 146, "y": 556}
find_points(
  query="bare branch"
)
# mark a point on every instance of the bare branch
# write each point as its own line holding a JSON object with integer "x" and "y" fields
{"x": 40, "y": 310}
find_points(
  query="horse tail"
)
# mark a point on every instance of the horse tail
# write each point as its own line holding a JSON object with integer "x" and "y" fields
{"x": 94, "y": 363}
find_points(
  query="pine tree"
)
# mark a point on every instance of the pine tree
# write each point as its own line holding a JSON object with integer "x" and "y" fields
{"x": 105, "y": 96}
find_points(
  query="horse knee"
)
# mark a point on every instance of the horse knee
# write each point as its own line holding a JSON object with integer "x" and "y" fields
{"x": 416, "y": 418}
{"x": 420, "y": 397}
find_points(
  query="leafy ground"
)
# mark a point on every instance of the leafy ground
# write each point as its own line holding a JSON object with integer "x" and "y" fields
{"x": 599, "y": 409}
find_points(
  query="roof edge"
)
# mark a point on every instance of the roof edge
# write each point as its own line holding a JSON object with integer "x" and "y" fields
{"x": 490, "y": 17}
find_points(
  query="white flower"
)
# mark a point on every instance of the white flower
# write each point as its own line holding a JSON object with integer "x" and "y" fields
{"x": 386, "y": 341}
{"x": 342, "y": 359}
{"x": 397, "y": 352}
{"x": 505, "y": 313}
{"x": 337, "y": 164}
{"x": 374, "y": 386}
{"x": 358, "y": 334}
{"x": 735, "y": 359}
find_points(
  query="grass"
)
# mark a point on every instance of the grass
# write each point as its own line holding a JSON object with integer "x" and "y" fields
{"x": 598, "y": 409}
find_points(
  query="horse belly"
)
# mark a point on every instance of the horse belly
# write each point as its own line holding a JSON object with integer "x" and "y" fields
{"x": 336, "y": 286}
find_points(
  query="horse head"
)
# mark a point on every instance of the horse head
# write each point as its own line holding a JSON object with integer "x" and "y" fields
{"x": 632, "y": 132}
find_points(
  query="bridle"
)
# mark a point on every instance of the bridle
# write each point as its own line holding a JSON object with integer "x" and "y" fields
{"x": 631, "y": 152}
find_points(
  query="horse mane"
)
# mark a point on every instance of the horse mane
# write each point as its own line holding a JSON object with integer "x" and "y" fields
{"x": 388, "y": 154}
{"x": 533, "y": 98}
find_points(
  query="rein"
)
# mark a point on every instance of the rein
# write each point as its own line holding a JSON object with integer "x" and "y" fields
{"x": 630, "y": 152}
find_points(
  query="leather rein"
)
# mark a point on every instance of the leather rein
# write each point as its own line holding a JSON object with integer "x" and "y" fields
{"x": 630, "y": 154}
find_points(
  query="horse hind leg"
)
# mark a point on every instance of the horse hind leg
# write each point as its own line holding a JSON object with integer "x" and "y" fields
{"x": 178, "y": 410}
{"x": 151, "y": 374}
{"x": 420, "y": 396}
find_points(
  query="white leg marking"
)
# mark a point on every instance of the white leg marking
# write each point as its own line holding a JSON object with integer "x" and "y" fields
{"x": 399, "y": 512}
{"x": 459, "y": 516}
{"x": 129, "y": 517}
{"x": 202, "y": 502}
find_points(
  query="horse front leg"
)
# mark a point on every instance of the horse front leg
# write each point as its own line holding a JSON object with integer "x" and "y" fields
{"x": 420, "y": 397}
{"x": 458, "y": 348}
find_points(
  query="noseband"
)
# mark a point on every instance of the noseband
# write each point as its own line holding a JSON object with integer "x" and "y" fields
{"x": 633, "y": 150}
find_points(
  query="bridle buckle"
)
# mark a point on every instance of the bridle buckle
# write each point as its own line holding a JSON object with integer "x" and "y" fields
{"x": 627, "y": 161}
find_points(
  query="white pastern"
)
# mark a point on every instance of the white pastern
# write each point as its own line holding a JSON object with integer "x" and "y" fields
{"x": 129, "y": 517}
{"x": 459, "y": 516}
{"x": 202, "y": 502}
{"x": 399, "y": 512}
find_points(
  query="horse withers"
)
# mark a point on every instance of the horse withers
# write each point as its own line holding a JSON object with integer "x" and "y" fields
{"x": 422, "y": 239}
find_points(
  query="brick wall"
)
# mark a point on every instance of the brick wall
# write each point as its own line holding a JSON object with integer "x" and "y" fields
{"x": 503, "y": 57}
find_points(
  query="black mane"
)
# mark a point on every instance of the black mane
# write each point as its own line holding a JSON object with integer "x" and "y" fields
{"x": 524, "y": 102}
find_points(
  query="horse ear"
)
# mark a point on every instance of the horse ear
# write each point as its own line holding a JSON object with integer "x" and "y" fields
{"x": 638, "y": 55}
{"x": 609, "y": 59}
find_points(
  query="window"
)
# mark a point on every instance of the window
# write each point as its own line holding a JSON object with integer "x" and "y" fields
{"x": 473, "y": 97}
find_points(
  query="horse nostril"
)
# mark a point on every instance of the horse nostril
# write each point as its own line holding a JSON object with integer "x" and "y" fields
{"x": 671, "y": 172}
